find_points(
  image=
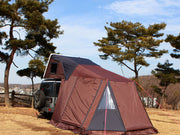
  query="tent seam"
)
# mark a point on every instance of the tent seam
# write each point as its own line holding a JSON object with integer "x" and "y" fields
{"x": 142, "y": 105}
{"x": 91, "y": 104}
{"x": 114, "y": 98}
{"x": 69, "y": 98}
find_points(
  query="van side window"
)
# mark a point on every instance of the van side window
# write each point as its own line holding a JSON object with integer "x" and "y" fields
{"x": 53, "y": 68}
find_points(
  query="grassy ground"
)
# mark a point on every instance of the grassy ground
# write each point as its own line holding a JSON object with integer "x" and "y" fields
{"x": 23, "y": 121}
{"x": 166, "y": 125}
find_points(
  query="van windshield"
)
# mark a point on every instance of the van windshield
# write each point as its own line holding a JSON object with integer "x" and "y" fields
{"x": 50, "y": 88}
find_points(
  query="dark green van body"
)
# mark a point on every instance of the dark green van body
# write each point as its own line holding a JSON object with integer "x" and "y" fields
{"x": 46, "y": 101}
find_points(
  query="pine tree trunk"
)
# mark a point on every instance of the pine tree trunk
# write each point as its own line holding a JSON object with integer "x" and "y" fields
{"x": 136, "y": 75}
{"x": 162, "y": 100}
{"x": 32, "y": 104}
{"x": 6, "y": 77}
{"x": 135, "y": 70}
{"x": 32, "y": 84}
{"x": 6, "y": 87}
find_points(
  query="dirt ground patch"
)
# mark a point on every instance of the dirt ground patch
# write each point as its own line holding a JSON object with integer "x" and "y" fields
{"x": 167, "y": 122}
{"x": 23, "y": 121}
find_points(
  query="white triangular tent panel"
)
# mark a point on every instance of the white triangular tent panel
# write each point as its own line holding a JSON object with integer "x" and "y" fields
{"x": 106, "y": 101}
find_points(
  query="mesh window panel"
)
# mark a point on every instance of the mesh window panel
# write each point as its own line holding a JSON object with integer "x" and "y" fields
{"x": 106, "y": 101}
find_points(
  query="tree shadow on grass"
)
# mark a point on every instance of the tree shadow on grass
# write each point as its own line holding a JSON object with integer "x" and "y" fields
{"x": 51, "y": 130}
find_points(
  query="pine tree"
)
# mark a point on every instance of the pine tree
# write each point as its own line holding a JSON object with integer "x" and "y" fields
{"x": 36, "y": 69}
{"x": 27, "y": 15}
{"x": 175, "y": 43}
{"x": 131, "y": 42}
{"x": 167, "y": 75}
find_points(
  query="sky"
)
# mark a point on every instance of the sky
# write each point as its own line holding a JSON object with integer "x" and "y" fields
{"x": 83, "y": 23}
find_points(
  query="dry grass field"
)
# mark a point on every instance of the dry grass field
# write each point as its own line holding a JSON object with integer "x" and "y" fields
{"x": 23, "y": 121}
{"x": 166, "y": 125}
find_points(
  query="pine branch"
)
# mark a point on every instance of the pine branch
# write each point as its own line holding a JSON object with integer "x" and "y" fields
{"x": 15, "y": 65}
{"x": 1, "y": 26}
{"x": 30, "y": 55}
{"x": 3, "y": 56}
{"x": 127, "y": 66}
{"x": 139, "y": 68}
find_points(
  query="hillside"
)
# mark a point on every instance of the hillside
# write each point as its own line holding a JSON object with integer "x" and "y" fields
{"x": 172, "y": 92}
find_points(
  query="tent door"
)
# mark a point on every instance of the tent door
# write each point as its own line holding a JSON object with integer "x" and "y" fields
{"x": 113, "y": 118}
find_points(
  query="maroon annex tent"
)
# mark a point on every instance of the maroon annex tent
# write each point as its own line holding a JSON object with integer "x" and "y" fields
{"x": 93, "y": 100}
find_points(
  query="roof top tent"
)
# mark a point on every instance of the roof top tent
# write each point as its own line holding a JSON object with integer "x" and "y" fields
{"x": 93, "y": 100}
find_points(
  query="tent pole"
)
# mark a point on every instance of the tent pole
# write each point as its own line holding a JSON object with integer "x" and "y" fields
{"x": 105, "y": 119}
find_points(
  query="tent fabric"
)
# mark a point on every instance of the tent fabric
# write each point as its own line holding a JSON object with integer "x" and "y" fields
{"x": 84, "y": 68}
{"x": 68, "y": 64}
{"x": 98, "y": 72}
{"x": 59, "y": 73}
{"x": 82, "y": 90}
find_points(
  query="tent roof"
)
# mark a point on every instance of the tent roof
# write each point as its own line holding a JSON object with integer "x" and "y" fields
{"x": 72, "y": 61}
{"x": 77, "y": 66}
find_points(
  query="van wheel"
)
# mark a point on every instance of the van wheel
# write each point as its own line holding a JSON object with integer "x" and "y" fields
{"x": 39, "y": 99}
